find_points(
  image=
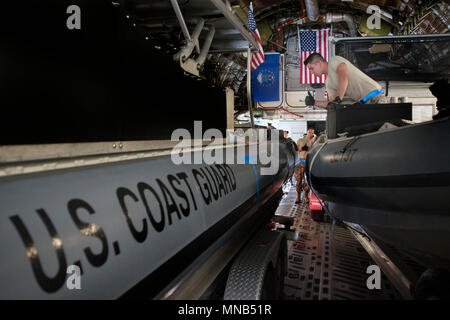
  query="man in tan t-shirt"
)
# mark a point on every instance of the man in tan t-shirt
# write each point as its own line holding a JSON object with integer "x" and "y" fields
{"x": 308, "y": 140}
{"x": 301, "y": 184}
{"x": 344, "y": 80}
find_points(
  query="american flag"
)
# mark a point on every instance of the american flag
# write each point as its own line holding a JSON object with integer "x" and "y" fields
{"x": 257, "y": 57}
{"x": 313, "y": 41}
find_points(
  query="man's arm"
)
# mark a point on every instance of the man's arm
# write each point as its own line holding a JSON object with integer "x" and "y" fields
{"x": 324, "y": 103}
{"x": 342, "y": 72}
{"x": 321, "y": 103}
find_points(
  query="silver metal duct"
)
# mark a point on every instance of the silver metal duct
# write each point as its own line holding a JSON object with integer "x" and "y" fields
{"x": 339, "y": 17}
{"x": 206, "y": 45}
{"x": 312, "y": 9}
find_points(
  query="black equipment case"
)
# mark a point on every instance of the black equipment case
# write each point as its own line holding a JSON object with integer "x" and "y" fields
{"x": 344, "y": 117}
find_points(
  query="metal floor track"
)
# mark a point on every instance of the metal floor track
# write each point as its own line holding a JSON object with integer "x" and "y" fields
{"x": 322, "y": 264}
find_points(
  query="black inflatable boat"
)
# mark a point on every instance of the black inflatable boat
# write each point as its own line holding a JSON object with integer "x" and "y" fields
{"x": 395, "y": 182}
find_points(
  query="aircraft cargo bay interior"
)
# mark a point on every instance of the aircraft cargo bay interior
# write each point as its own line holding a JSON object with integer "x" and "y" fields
{"x": 225, "y": 150}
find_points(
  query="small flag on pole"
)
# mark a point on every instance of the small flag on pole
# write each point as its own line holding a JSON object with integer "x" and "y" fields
{"x": 312, "y": 41}
{"x": 257, "y": 57}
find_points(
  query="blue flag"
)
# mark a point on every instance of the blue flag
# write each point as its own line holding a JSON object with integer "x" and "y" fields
{"x": 266, "y": 78}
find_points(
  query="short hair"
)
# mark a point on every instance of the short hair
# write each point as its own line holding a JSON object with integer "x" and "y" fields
{"x": 313, "y": 58}
{"x": 310, "y": 128}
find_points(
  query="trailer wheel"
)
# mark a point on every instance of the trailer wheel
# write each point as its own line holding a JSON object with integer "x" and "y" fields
{"x": 258, "y": 271}
{"x": 274, "y": 280}
{"x": 269, "y": 285}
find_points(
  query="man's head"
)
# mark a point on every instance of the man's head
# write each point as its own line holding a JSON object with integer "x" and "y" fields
{"x": 310, "y": 133}
{"x": 316, "y": 64}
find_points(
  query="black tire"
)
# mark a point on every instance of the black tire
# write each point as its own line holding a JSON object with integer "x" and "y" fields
{"x": 268, "y": 289}
{"x": 273, "y": 285}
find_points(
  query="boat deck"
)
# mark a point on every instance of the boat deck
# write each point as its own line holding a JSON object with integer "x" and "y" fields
{"x": 325, "y": 264}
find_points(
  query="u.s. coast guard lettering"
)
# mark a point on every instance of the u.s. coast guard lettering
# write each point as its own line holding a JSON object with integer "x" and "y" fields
{"x": 172, "y": 195}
